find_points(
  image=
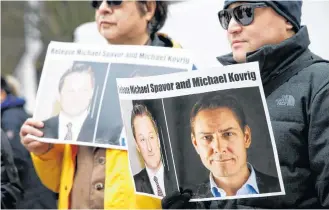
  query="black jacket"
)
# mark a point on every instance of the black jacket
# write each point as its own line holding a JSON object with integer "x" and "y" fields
{"x": 265, "y": 184}
{"x": 86, "y": 133}
{"x": 50, "y": 129}
{"x": 11, "y": 189}
{"x": 13, "y": 116}
{"x": 143, "y": 184}
{"x": 299, "y": 112}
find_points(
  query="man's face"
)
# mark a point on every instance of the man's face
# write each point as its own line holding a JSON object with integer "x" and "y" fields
{"x": 220, "y": 141}
{"x": 121, "y": 24}
{"x": 76, "y": 93}
{"x": 267, "y": 28}
{"x": 147, "y": 141}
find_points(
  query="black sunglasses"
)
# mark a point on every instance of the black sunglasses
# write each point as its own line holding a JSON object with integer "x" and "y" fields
{"x": 97, "y": 4}
{"x": 243, "y": 14}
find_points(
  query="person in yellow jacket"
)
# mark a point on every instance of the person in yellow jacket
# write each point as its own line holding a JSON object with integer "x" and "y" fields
{"x": 96, "y": 178}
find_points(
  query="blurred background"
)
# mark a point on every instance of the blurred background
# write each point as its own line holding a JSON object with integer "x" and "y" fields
{"x": 29, "y": 26}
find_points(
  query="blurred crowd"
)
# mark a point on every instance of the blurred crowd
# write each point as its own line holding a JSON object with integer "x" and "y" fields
{"x": 20, "y": 186}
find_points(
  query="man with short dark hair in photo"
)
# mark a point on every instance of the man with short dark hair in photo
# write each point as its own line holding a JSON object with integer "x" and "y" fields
{"x": 151, "y": 178}
{"x": 221, "y": 137}
{"x": 76, "y": 87}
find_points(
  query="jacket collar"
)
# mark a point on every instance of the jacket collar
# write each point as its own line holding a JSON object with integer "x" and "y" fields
{"x": 274, "y": 59}
{"x": 162, "y": 40}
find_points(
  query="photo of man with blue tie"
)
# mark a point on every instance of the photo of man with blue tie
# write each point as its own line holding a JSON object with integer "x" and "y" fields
{"x": 221, "y": 137}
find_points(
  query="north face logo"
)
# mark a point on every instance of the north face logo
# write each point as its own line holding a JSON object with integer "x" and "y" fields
{"x": 285, "y": 100}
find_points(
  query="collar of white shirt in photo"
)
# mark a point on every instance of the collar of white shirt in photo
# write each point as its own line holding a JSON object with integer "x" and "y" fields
{"x": 250, "y": 187}
{"x": 160, "y": 175}
{"x": 77, "y": 123}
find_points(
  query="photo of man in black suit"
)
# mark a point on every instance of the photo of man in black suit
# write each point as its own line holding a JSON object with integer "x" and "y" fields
{"x": 221, "y": 137}
{"x": 76, "y": 88}
{"x": 153, "y": 179}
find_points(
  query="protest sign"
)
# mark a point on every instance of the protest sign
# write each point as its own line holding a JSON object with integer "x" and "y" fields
{"x": 207, "y": 130}
{"x": 77, "y": 97}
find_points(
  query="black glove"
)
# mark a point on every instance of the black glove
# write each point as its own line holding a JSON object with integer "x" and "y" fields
{"x": 178, "y": 200}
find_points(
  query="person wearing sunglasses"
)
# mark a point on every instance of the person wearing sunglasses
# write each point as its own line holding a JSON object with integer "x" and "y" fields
{"x": 132, "y": 22}
{"x": 296, "y": 85}
{"x": 96, "y": 178}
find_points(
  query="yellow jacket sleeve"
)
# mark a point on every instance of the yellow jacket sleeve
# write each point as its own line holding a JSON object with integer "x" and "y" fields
{"x": 49, "y": 167}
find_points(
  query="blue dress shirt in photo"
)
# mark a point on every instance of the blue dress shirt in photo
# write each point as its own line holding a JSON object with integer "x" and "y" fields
{"x": 250, "y": 187}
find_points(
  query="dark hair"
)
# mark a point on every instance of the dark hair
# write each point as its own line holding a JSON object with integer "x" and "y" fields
{"x": 5, "y": 86}
{"x": 217, "y": 100}
{"x": 77, "y": 68}
{"x": 160, "y": 15}
{"x": 141, "y": 110}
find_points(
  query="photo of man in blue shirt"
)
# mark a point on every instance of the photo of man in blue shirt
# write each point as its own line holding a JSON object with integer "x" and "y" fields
{"x": 221, "y": 137}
